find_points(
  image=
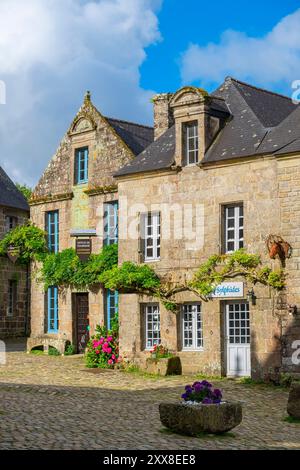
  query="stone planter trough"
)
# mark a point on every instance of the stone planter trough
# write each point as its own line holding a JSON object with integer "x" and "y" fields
{"x": 293, "y": 406}
{"x": 196, "y": 419}
{"x": 165, "y": 366}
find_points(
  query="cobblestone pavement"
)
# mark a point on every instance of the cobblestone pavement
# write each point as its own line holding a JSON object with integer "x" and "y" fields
{"x": 55, "y": 403}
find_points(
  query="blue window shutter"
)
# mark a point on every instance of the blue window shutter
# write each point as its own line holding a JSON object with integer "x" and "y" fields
{"x": 81, "y": 165}
{"x": 52, "y": 227}
{"x": 108, "y": 309}
{"x": 86, "y": 165}
{"x": 56, "y": 232}
{"x": 52, "y": 302}
{"x": 112, "y": 300}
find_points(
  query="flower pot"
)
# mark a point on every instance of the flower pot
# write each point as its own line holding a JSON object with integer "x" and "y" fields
{"x": 193, "y": 419}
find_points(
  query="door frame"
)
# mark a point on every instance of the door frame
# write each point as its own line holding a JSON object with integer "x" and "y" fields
{"x": 225, "y": 342}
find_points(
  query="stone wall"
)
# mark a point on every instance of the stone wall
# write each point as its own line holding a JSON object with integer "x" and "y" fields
{"x": 289, "y": 202}
{"x": 16, "y": 324}
{"x": 80, "y": 206}
{"x": 255, "y": 183}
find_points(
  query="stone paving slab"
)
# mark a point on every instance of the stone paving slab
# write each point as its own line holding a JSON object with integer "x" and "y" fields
{"x": 55, "y": 403}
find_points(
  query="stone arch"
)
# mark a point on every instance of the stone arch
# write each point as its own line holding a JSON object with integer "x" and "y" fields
{"x": 188, "y": 95}
{"x": 83, "y": 124}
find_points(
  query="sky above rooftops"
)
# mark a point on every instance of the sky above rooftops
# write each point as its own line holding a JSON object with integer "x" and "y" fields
{"x": 125, "y": 51}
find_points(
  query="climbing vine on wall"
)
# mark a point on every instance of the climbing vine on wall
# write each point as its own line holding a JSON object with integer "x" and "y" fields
{"x": 65, "y": 269}
{"x": 28, "y": 240}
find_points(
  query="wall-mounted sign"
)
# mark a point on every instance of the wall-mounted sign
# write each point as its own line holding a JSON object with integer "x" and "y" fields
{"x": 13, "y": 253}
{"x": 229, "y": 289}
{"x": 83, "y": 248}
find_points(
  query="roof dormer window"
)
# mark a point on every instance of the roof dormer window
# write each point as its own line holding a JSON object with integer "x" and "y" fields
{"x": 190, "y": 143}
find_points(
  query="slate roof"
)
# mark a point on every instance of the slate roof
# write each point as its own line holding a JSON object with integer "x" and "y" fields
{"x": 10, "y": 196}
{"x": 259, "y": 122}
{"x": 136, "y": 136}
{"x": 159, "y": 155}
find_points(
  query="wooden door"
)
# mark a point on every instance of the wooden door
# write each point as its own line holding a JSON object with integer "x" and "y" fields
{"x": 82, "y": 321}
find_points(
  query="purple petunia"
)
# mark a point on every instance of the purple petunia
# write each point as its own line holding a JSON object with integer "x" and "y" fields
{"x": 207, "y": 401}
{"x": 202, "y": 392}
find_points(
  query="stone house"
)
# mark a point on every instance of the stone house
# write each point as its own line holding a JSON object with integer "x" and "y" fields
{"x": 77, "y": 195}
{"x": 14, "y": 285}
{"x": 223, "y": 173}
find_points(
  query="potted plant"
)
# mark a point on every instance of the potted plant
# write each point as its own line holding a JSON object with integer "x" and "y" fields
{"x": 202, "y": 410}
{"x": 163, "y": 362}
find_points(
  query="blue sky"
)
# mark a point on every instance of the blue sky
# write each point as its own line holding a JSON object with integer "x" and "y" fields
{"x": 201, "y": 23}
{"x": 125, "y": 51}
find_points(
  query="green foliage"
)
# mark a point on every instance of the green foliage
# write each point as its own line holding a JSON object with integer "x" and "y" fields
{"x": 219, "y": 268}
{"x": 171, "y": 306}
{"x": 160, "y": 352}
{"x": 29, "y": 240}
{"x": 53, "y": 351}
{"x": 131, "y": 277}
{"x": 66, "y": 269}
{"x": 70, "y": 350}
{"x": 25, "y": 190}
{"x": 115, "y": 325}
{"x": 291, "y": 420}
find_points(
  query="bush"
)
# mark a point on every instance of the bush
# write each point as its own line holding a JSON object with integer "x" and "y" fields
{"x": 53, "y": 351}
{"x": 70, "y": 350}
{"x": 103, "y": 347}
{"x": 160, "y": 352}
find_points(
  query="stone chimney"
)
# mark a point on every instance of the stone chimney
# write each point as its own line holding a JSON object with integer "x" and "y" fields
{"x": 163, "y": 114}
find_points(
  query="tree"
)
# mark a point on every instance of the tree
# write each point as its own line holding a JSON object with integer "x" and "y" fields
{"x": 25, "y": 190}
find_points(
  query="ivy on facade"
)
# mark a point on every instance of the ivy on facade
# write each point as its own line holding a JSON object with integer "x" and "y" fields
{"x": 64, "y": 269}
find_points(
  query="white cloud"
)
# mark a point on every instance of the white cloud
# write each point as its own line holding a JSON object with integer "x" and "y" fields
{"x": 271, "y": 60}
{"x": 51, "y": 52}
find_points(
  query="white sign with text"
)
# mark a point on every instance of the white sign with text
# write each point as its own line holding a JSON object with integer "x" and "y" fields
{"x": 229, "y": 289}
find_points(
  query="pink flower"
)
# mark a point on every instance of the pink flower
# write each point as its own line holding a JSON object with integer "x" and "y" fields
{"x": 97, "y": 352}
{"x": 110, "y": 361}
{"x": 109, "y": 339}
{"x": 113, "y": 356}
{"x": 109, "y": 350}
{"x": 101, "y": 340}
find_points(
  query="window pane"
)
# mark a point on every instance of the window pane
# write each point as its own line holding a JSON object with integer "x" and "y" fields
{"x": 234, "y": 233}
{"x": 192, "y": 326}
{"x": 152, "y": 326}
{"x": 152, "y": 236}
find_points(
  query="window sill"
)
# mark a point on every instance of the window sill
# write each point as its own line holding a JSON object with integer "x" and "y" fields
{"x": 189, "y": 165}
{"x": 155, "y": 260}
{"x": 192, "y": 350}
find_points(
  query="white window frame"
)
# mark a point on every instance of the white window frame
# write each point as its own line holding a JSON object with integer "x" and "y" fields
{"x": 151, "y": 310}
{"x": 194, "y": 309}
{"x": 154, "y": 225}
{"x": 191, "y": 137}
{"x": 238, "y": 224}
